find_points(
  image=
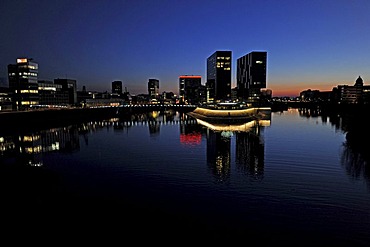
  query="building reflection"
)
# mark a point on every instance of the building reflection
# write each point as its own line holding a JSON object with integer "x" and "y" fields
{"x": 28, "y": 149}
{"x": 218, "y": 154}
{"x": 153, "y": 119}
{"x": 249, "y": 148}
{"x": 250, "y": 154}
{"x": 190, "y": 131}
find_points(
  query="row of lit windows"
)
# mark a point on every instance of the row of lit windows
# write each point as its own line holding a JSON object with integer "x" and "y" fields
{"x": 30, "y": 138}
{"x": 29, "y": 91}
{"x": 28, "y": 73}
{"x": 31, "y": 150}
{"x": 48, "y": 88}
{"x": 29, "y": 102}
{"x": 223, "y": 58}
{"x": 223, "y": 63}
{"x": 28, "y": 66}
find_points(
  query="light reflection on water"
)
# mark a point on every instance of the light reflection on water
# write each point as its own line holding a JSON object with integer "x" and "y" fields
{"x": 297, "y": 174}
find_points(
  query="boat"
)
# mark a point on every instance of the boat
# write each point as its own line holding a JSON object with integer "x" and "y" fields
{"x": 230, "y": 113}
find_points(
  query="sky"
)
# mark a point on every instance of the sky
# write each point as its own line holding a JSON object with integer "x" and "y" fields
{"x": 310, "y": 44}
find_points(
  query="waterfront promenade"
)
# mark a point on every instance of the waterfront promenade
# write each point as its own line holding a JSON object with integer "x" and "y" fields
{"x": 21, "y": 120}
{"x": 39, "y": 118}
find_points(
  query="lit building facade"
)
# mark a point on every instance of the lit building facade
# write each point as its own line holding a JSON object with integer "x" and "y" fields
{"x": 351, "y": 94}
{"x": 218, "y": 82}
{"x": 190, "y": 89}
{"x": 153, "y": 89}
{"x": 23, "y": 83}
{"x": 251, "y": 76}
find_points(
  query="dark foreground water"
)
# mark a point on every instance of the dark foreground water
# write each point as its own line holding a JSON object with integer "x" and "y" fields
{"x": 295, "y": 180}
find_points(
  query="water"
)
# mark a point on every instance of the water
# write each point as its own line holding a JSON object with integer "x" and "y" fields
{"x": 294, "y": 181}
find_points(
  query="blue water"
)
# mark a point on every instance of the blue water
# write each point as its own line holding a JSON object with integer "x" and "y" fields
{"x": 292, "y": 181}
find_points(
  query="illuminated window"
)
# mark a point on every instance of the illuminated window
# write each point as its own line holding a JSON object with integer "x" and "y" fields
{"x": 22, "y": 60}
{"x": 260, "y": 62}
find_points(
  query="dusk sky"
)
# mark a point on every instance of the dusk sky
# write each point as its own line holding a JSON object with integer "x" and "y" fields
{"x": 310, "y": 44}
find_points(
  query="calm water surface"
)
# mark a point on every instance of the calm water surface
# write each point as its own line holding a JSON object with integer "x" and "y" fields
{"x": 293, "y": 180}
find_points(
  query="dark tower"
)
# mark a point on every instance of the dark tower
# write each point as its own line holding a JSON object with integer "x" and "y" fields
{"x": 219, "y": 76}
{"x": 251, "y": 76}
{"x": 190, "y": 89}
{"x": 117, "y": 87}
{"x": 153, "y": 88}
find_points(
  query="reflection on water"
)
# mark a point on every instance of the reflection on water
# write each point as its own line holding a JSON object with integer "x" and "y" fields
{"x": 259, "y": 176}
{"x": 249, "y": 148}
{"x": 355, "y": 157}
{"x": 28, "y": 148}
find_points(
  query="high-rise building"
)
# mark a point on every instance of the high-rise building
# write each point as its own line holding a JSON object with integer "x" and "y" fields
{"x": 251, "y": 75}
{"x": 153, "y": 88}
{"x": 190, "y": 89}
{"x": 117, "y": 87}
{"x": 23, "y": 83}
{"x": 219, "y": 76}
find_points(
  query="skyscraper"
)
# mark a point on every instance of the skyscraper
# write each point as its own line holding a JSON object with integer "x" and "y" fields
{"x": 23, "y": 83}
{"x": 219, "y": 76}
{"x": 190, "y": 88}
{"x": 251, "y": 75}
{"x": 117, "y": 87}
{"x": 153, "y": 88}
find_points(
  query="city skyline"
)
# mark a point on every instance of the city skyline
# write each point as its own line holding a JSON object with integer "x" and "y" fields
{"x": 310, "y": 44}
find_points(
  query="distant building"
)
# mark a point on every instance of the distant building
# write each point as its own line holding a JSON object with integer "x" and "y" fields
{"x": 153, "y": 89}
{"x": 309, "y": 95}
{"x": 366, "y": 94}
{"x": 70, "y": 86}
{"x": 23, "y": 83}
{"x": 342, "y": 94}
{"x": 351, "y": 94}
{"x": 5, "y": 99}
{"x": 251, "y": 76}
{"x": 51, "y": 94}
{"x": 266, "y": 95}
{"x": 190, "y": 89}
{"x": 168, "y": 98}
{"x": 117, "y": 87}
{"x": 218, "y": 82}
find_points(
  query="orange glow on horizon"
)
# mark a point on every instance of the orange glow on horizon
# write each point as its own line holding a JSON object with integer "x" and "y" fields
{"x": 190, "y": 76}
{"x": 289, "y": 90}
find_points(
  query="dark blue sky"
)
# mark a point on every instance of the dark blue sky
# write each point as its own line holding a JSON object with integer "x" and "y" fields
{"x": 310, "y": 43}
